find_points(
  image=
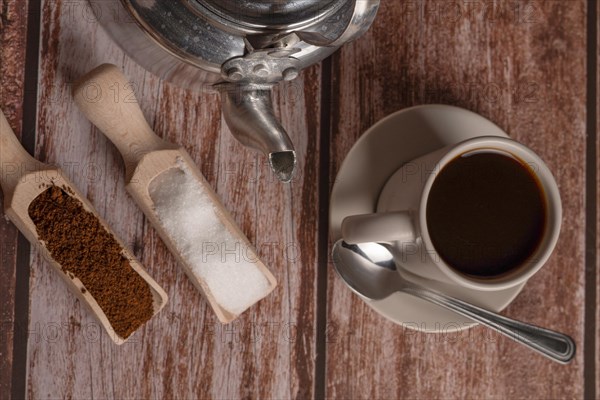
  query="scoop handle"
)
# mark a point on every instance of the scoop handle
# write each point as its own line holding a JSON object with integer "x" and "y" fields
{"x": 107, "y": 99}
{"x": 15, "y": 161}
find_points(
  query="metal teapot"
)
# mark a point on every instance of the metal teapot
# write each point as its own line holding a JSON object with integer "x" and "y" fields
{"x": 241, "y": 48}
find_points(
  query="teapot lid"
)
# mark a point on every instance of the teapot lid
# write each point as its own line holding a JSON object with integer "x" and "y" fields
{"x": 273, "y": 14}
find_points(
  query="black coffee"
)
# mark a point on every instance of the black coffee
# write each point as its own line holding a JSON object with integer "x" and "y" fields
{"x": 486, "y": 213}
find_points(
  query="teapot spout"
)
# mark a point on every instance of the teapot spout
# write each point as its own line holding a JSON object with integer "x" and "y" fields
{"x": 248, "y": 111}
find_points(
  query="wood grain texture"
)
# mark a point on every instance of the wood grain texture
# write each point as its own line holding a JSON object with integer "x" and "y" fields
{"x": 184, "y": 352}
{"x": 520, "y": 64}
{"x": 13, "y": 32}
{"x": 597, "y": 365}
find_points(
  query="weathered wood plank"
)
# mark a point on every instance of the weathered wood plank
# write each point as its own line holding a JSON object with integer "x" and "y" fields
{"x": 521, "y": 65}
{"x": 184, "y": 352}
{"x": 13, "y": 37}
{"x": 597, "y": 366}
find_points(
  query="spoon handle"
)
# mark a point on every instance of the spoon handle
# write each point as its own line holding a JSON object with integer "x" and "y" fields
{"x": 554, "y": 345}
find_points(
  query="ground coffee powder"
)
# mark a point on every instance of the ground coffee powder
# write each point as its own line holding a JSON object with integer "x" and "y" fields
{"x": 86, "y": 250}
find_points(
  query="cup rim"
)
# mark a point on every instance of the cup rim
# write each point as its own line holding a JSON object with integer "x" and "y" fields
{"x": 554, "y": 214}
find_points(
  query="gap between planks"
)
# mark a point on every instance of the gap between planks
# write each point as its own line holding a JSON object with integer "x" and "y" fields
{"x": 28, "y": 137}
{"x": 590, "y": 341}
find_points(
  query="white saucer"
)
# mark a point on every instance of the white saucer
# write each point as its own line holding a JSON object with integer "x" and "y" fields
{"x": 376, "y": 156}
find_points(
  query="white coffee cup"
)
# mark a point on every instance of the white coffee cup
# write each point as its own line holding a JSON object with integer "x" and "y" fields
{"x": 401, "y": 219}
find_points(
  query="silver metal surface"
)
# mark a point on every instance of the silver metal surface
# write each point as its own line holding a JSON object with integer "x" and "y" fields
{"x": 262, "y": 66}
{"x": 248, "y": 112}
{"x": 282, "y": 15}
{"x": 360, "y": 267}
{"x": 197, "y": 44}
{"x": 350, "y": 22}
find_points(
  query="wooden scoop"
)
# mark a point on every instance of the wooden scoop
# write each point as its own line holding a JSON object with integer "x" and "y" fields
{"x": 23, "y": 179}
{"x": 146, "y": 157}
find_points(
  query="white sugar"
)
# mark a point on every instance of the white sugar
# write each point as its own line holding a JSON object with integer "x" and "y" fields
{"x": 215, "y": 254}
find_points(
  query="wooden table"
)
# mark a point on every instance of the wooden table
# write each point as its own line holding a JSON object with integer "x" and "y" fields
{"x": 529, "y": 66}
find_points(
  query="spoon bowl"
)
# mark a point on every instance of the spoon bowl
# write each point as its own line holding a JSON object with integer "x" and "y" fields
{"x": 368, "y": 269}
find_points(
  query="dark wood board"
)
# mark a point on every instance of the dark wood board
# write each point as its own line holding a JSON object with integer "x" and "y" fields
{"x": 597, "y": 162}
{"x": 13, "y": 36}
{"x": 520, "y": 65}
